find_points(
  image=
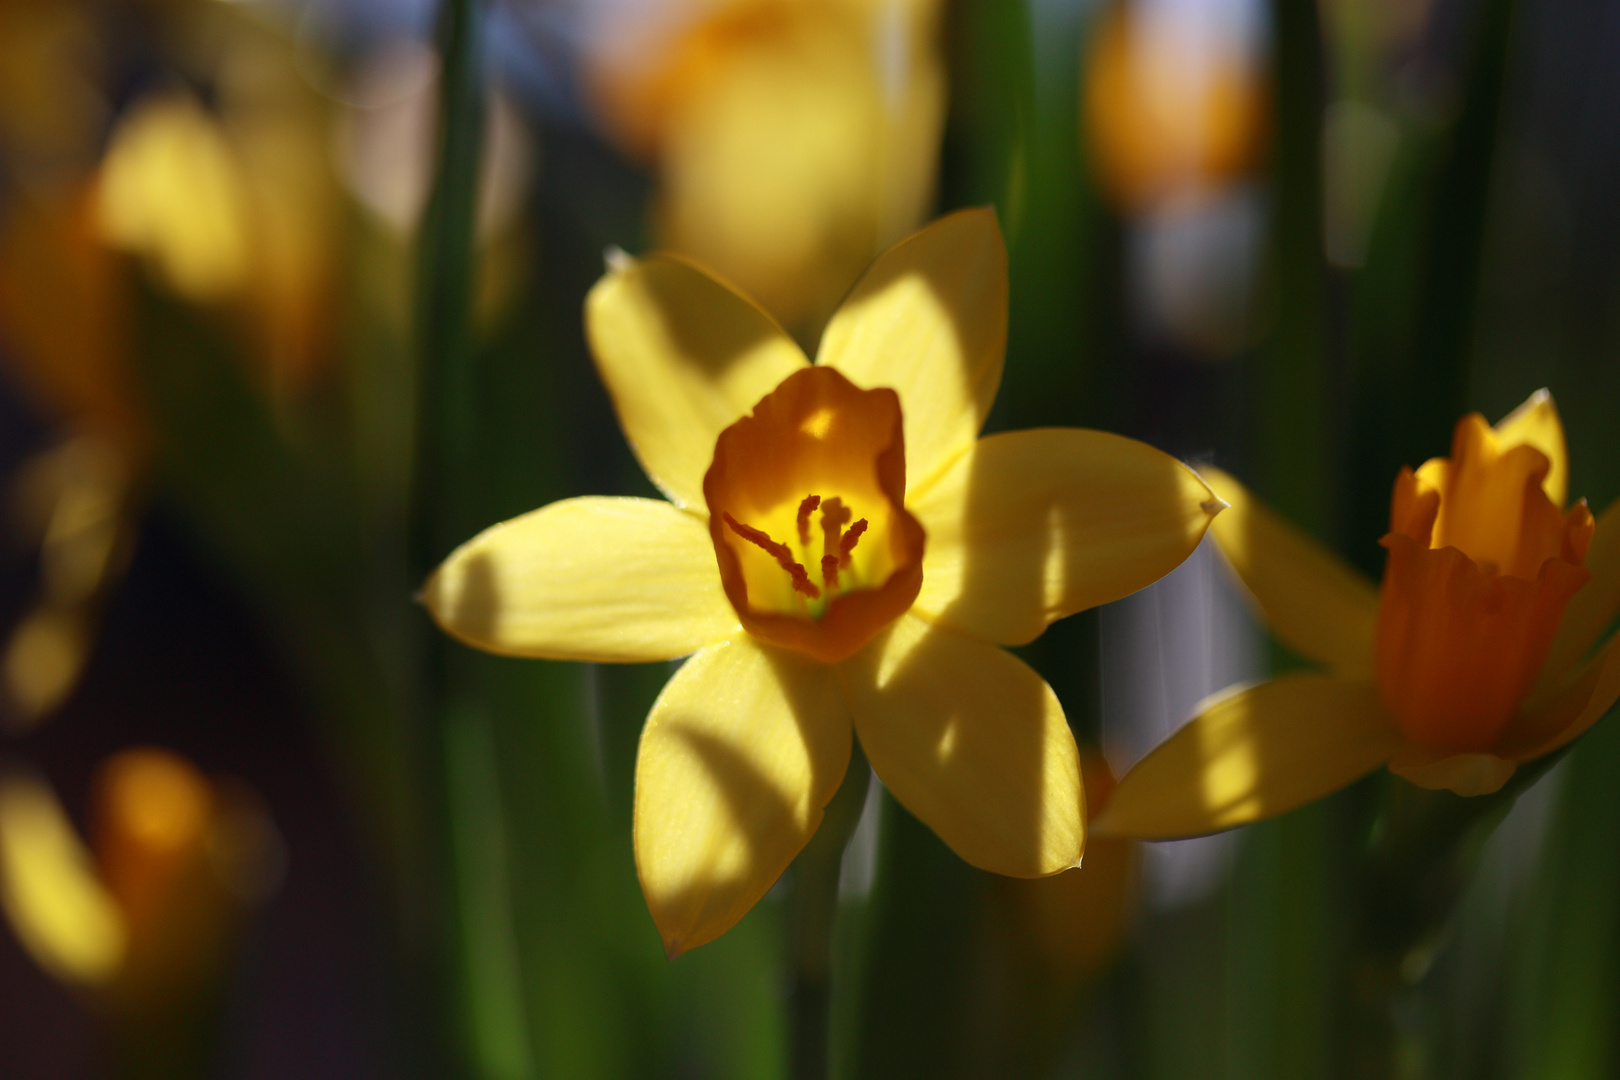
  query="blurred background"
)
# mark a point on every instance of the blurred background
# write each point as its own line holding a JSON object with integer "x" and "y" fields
{"x": 290, "y": 303}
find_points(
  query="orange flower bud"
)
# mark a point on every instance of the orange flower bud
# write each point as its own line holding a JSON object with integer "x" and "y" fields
{"x": 1481, "y": 564}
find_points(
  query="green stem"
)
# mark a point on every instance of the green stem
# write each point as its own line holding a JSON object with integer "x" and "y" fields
{"x": 813, "y": 912}
{"x": 444, "y": 511}
{"x": 1419, "y": 863}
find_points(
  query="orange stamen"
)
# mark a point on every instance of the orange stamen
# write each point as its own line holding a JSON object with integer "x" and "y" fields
{"x": 851, "y": 538}
{"x": 834, "y": 516}
{"x": 780, "y": 552}
{"x": 806, "y": 508}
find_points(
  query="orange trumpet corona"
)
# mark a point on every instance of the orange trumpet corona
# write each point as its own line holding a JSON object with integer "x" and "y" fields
{"x": 816, "y": 433}
{"x": 1481, "y": 564}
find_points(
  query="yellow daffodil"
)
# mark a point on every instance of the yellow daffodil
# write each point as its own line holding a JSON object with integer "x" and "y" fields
{"x": 1472, "y": 660}
{"x": 143, "y": 917}
{"x": 840, "y": 553}
{"x": 793, "y": 141}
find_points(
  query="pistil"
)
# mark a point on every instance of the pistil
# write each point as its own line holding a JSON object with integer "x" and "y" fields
{"x": 834, "y": 516}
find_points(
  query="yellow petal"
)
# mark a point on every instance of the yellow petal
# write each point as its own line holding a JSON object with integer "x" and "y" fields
{"x": 1536, "y": 423}
{"x": 929, "y": 319}
{"x": 1591, "y": 610}
{"x": 1461, "y": 774}
{"x": 683, "y": 356}
{"x": 741, "y": 752}
{"x": 973, "y": 743}
{"x": 1310, "y": 599}
{"x": 58, "y": 909}
{"x": 1031, "y": 526}
{"x": 1252, "y": 754}
{"x": 611, "y": 580}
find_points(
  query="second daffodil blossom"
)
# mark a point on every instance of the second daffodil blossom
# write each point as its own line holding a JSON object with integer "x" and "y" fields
{"x": 839, "y": 553}
{"x": 1472, "y": 660}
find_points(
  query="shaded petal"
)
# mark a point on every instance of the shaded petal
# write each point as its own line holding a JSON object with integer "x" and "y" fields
{"x": 741, "y": 752}
{"x": 605, "y": 579}
{"x": 1030, "y": 526}
{"x": 683, "y": 356}
{"x": 1564, "y": 715}
{"x": 60, "y": 911}
{"x": 972, "y": 742}
{"x": 1310, "y": 599}
{"x": 929, "y": 319}
{"x": 1461, "y": 774}
{"x": 1536, "y": 423}
{"x": 1252, "y": 754}
{"x": 1591, "y": 610}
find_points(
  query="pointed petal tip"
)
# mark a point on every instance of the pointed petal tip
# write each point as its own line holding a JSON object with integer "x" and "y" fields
{"x": 615, "y": 260}
{"x": 1214, "y": 505}
{"x": 673, "y": 948}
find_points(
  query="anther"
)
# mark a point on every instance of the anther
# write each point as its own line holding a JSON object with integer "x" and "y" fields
{"x": 780, "y": 552}
{"x": 847, "y": 545}
{"x": 834, "y": 516}
{"x": 806, "y": 508}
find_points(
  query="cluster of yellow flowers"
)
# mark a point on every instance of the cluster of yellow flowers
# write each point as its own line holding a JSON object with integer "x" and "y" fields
{"x": 842, "y": 553}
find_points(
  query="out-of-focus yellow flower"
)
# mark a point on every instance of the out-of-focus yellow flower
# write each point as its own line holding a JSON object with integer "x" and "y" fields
{"x": 233, "y": 204}
{"x": 172, "y": 191}
{"x": 57, "y": 906}
{"x": 1472, "y": 661}
{"x": 72, "y": 500}
{"x": 147, "y": 918}
{"x": 840, "y": 553}
{"x": 1068, "y": 928}
{"x": 1167, "y": 112}
{"x": 240, "y": 206}
{"x": 793, "y": 140}
{"x": 1048, "y": 942}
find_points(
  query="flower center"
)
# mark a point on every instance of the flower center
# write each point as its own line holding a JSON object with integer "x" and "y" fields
{"x": 838, "y": 548}
{"x": 784, "y": 491}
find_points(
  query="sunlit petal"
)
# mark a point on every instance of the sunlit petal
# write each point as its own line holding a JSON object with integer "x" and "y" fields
{"x": 683, "y": 356}
{"x": 1252, "y": 754}
{"x": 60, "y": 912}
{"x": 586, "y": 579}
{"x": 974, "y": 743}
{"x": 1310, "y": 599}
{"x": 741, "y": 752}
{"x": 929, "y": 319}
{"x": 1592, "y": 610}
{"x": 1030, "y": 526}
{"x": 1536, "y": 423}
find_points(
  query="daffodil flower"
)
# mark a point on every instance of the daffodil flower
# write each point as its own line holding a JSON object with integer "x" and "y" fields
{"x": 839, "y": 553}
{"x": 1472, "y": 660}
{"x": 792, "y": 141}
{"x": 144, "y": 917}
